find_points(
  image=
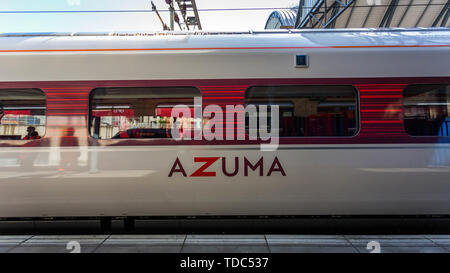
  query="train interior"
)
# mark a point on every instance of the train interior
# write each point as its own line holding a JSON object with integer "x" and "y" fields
{"x": 309, "y": 111}
{"x": 22, "y": 114}
{"x": 426, "y": 109}
{"x": 139, "y": 112}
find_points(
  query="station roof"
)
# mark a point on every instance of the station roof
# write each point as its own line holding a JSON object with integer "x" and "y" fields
{"x": 365, "y": 14}
{"x": 281, "y": 19}
{"x": 398, "y": 13}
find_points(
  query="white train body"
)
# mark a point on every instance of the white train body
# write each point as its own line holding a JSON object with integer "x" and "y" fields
{"x": 370, "y": 173}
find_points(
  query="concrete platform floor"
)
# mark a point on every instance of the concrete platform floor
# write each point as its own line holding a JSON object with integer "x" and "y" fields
{"x": 269, "y": 243}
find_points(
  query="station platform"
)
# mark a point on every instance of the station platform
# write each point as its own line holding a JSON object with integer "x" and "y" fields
{"x": 202, "y": 243}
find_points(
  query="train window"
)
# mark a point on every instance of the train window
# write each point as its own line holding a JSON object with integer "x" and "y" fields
{"x": 22, "y": 114}
{"x": 426, "y": 110}
{"x": 309, "y": 111}
{"x": 139, "y": 112}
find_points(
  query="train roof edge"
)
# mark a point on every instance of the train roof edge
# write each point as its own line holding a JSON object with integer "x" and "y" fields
{"x": 200, "y": 33}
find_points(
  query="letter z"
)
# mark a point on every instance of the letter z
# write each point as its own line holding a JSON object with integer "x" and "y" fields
{"x": 208, "y": 162}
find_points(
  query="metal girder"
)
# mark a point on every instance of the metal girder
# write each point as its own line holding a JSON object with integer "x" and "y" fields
{"x": 334, "y": 11}
{"x": 299, "y": 12}
{"x": 445, "y": 10}
{"x": 194, "y": 5}
{"x": 351, "y": 13}
{"x": 444, "y": 21}
{"x": 322, "y": 14}
{"x": 189, "y": 12}
{"x": 404, "y": 13}
{"x": 309, "y": 14}
{"x": 424, "y": 10}
{"x": 367, "y": 16}
{"x": 387, "y": 18}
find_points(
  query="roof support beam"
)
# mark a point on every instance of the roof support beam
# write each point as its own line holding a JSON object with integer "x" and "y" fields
{"x": 301, "y": 3}
{"x": 308, "y": 16}
{"x": 387, "y": 18}
{"x": 367, "y": 17}
{"x": 424, "y": 10}
{"x": 351, "y": 13}
{"x": 329, "y": 13}
{"x": 323, "y": 19}
{"x": 445, "y": 10}
{"x": 342, "y": 8}
{"x": 334, "y": 11}
{"x": 404, "y": 13}
{"x": 444, "y": 21}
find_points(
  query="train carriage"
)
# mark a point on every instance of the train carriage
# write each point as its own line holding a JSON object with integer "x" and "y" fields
{"x": 87, "y": 119}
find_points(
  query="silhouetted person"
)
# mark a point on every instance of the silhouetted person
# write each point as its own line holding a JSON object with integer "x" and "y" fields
{"x": 35, "y": 135}
{"x": 27, "y": 158}
{"x": 30, "y": 131}
{"x": 69, "y": 159}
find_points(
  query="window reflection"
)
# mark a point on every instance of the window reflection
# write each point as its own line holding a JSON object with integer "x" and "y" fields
{"x": 426, "y": 110}
{"x": 309, "y": 111}
{"x": 140, "y": 112}
{"x": 22, "y": 114}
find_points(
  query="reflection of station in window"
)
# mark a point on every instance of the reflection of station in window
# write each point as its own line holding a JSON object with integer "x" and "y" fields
{"x": 188, "y": 122}
{"x": 308, "y": 111}
{"x": 22, "y": 114}
{"x": 139, "y": 112}
{"x": 426, "y": 110}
